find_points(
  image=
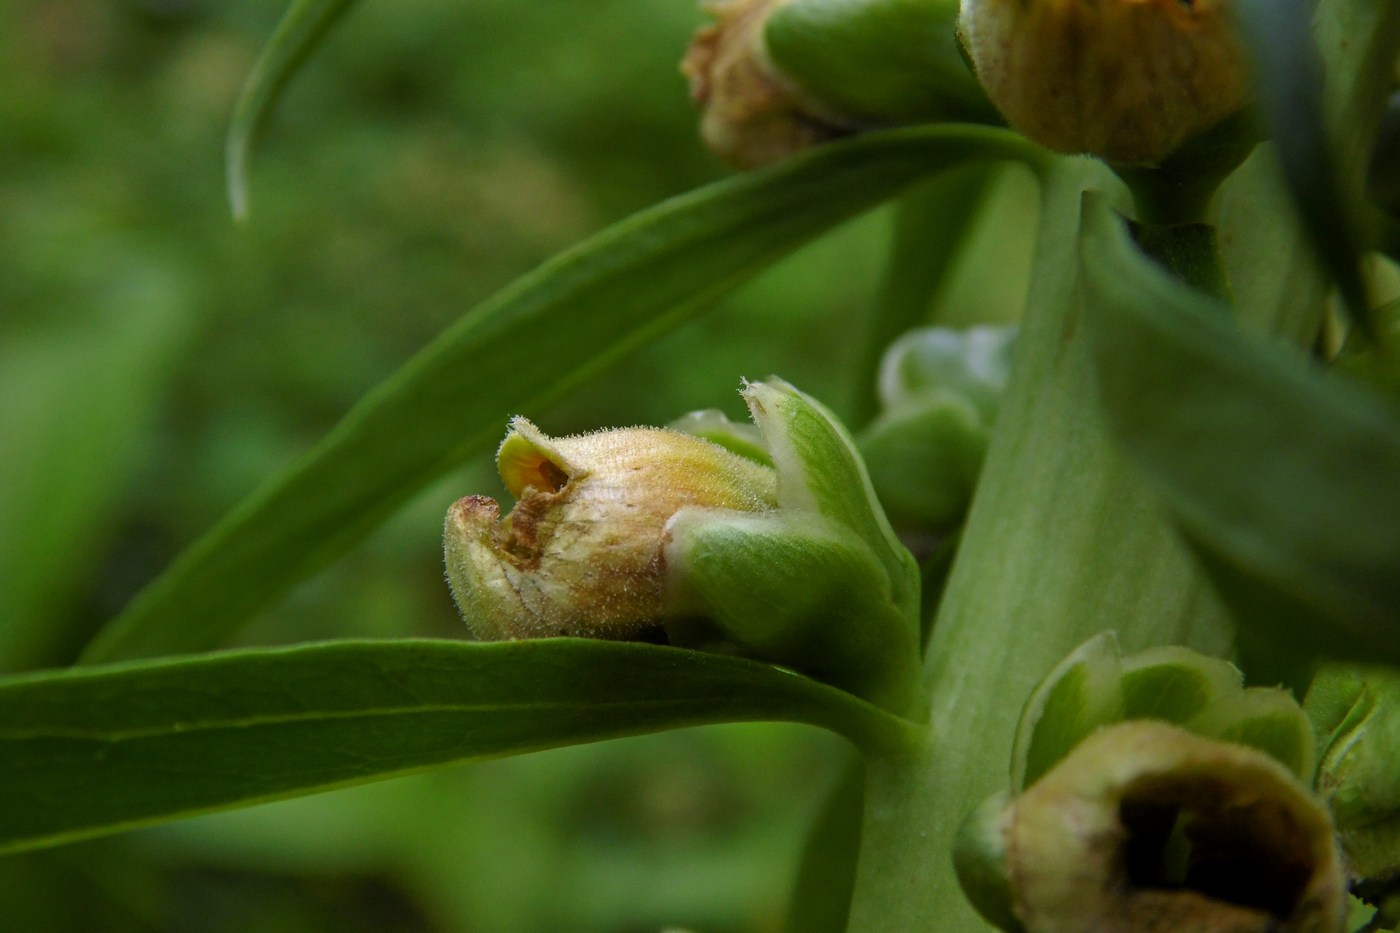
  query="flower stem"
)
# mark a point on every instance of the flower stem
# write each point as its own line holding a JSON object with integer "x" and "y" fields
{"x": 1062, "y": 542}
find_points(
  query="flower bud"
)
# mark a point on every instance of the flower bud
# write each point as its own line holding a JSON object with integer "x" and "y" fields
{"x": 1146, "y": 826}
{"x": 652, "y": 533}
{"x": 773, "y": 77}
{"x": 940, "y": 389}
{"x": 1155, "y": 792}
{"x": 580, "y": 554}
{"x": 749, "y": 116}
{"x": 1127, "y": 80}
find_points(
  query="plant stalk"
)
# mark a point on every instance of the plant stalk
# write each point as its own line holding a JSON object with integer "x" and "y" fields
{"x": 1062, "y": 543}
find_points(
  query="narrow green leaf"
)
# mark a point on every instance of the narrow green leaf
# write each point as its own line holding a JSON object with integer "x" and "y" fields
{"x": 1289, "y": 82}
{"x": 1281, "y": 475}
{"x": 530, "y": 343}
{"x": 78, "y": 404}
{"x": 300, "y": 31}
{"x": 96, "y": 750}
{"x": 821, "y": 898}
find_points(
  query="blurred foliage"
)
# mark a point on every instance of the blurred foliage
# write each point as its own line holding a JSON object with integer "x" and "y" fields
{"x": 157, "y": 362}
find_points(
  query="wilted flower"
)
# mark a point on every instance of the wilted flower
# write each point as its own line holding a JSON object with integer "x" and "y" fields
{"x": 1155, "y": 792}
{"x": 1146, "y": 826}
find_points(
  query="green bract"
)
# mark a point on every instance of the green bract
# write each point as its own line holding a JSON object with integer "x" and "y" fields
{"x": 1356, "y": 712}
{"x": 820, "y": 583}
{"x": 1096, "y": 686}
{"x": 876, "y": 62}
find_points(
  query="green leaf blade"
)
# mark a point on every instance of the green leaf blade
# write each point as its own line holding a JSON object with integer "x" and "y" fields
{"x": 298, "y": 34}
{"x": 1280, "y": 474}
{"x": 529, "y": 344}
{"x": 1278, "y": 36}
{"x": 97, "y": 750}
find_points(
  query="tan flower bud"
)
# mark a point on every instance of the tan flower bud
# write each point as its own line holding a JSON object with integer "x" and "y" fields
{"x": 580, "y": 554}
{"x": 749, "y": 115}
{"x": 1126, "y": 80}
{"x": 1146, "y": 827}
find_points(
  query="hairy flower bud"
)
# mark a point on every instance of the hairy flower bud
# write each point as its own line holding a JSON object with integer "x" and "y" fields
{"x": 580, "y": 554}
{"x": 648, "y": 533}
{"x": 1127, "y": 80}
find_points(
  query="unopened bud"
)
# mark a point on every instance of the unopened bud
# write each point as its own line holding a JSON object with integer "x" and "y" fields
{"x": 580, "y": 554}
{"x": 775, "y": 76}
{"x": 650, "y": 533}
{"x": 749, "y": 115}
{"x": 940, "y": 390}
{"x": 1127, "y": 80}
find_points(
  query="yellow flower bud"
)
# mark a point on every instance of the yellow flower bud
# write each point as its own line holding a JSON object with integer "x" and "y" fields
{"x": 1145, "y": 826}
{"x": 580, "y": 554}
{"x": 1127, "y": 80}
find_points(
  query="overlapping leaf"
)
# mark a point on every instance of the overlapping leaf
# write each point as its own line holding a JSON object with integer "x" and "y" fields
{"x": 96, "y": 750}
{"x": 298, "y": 34}
{"x": 572, "y": 317}
{"x": 1282, "y": 475}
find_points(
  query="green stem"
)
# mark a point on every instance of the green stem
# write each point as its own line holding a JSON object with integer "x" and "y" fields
{"x": 1062, "y": 542}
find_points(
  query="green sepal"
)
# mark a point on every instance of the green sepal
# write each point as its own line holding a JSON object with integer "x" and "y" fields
{"x": 1083, "y": 692}
{"x": 876, "y": 62}
{"x": 820, "y": 470}
{"x": 820, "y": 583}
{"x": 924, "y": 459}
{"x": 1174, "y": 684}
{"x": 1356, "y": 714}
{"x": 800, "y": 590}
{"x": 734, "y": 436}
{"x": 1265, "y": 718}
{"x": 940, "y": 389}
{"x": 979, "y": 858}
{"x": 1095, "y": 686}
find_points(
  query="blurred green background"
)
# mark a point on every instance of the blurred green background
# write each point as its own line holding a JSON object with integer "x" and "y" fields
{"x": 157, "y": 362}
